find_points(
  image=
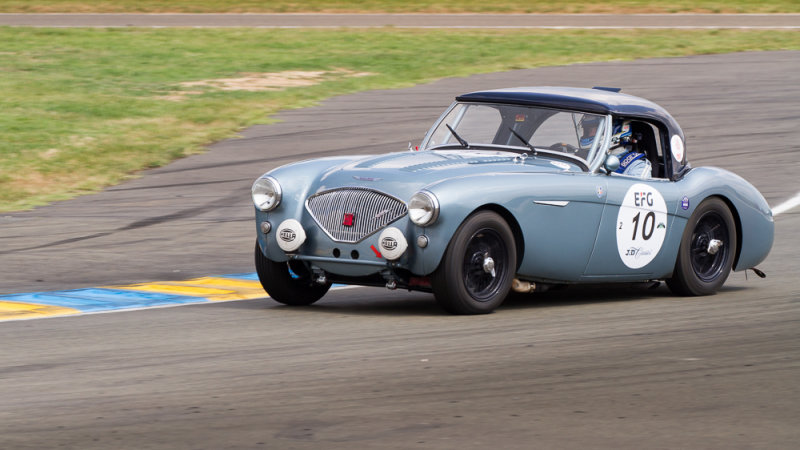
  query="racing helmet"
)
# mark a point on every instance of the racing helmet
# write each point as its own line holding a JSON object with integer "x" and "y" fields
{"x": 587, "y": 127}
{"x": 621, "y": 134}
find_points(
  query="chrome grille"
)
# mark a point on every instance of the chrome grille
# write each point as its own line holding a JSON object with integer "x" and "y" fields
{"x": 372, "y": 210}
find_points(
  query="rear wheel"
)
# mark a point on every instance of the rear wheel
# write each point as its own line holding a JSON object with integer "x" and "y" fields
{"x": 708, "y": 246}
{"x": 293, "y": 287}
{"x": 478, "y": 266}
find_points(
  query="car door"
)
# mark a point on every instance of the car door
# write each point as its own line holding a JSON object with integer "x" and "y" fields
{"x": 560, "y": 219}
{"x": 637, "y": 221}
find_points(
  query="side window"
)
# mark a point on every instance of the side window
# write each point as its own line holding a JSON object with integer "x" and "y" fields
{"x": 558, "y": 128}
{"x": 559, "y": 132}
{"x": 649, "y": 143}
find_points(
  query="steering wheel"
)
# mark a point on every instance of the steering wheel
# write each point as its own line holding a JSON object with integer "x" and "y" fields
{"x": 563, "y": 147}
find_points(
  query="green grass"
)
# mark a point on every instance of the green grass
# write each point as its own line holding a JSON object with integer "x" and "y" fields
{"x": 81, "y": 109}
{"x": 404, "y": 6}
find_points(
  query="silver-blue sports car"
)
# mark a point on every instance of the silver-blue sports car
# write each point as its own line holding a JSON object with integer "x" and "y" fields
{"x": 512, "y": 189}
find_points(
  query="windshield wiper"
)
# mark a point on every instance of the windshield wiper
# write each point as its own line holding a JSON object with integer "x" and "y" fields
{"x": 524, "y": 141}
{"x": 461, "y": 140}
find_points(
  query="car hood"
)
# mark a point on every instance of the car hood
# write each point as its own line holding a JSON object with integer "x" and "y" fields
{"x": 403, "y": 174}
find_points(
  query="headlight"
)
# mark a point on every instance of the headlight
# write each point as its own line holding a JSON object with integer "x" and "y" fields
{"x": 266, "y": 193}
{"x": 423, "y": 208}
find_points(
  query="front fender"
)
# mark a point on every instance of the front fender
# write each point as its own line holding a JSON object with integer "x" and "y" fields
{"x": 298, "y": 181}
{"x": 515, "y": 196}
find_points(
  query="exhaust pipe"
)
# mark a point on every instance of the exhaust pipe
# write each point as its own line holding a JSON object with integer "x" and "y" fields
{"x": 523, "y": 287}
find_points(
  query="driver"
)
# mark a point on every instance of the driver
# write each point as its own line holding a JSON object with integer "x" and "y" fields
{"x": 625, "y": 146}
{"x": 588, "y": 126}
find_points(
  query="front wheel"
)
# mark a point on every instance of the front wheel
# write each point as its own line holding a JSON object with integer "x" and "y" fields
{"x": 290, "y": 285}
{"x": 478, "y": 266}
{"x": 708, "y": 246}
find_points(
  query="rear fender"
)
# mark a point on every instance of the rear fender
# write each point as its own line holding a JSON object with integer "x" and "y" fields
{"x": 755, "y": 227}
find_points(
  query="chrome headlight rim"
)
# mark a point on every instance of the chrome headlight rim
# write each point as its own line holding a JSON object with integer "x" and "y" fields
{"x": 264, "y": 187}
{"x": 431, "y": 213}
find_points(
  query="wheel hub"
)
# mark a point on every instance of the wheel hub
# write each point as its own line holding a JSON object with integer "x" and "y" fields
{"x": 488, "y": 265}
{"x": 714, "y": 246}
{"x": 484, "y": 264}
{"x": 708, "y": 249}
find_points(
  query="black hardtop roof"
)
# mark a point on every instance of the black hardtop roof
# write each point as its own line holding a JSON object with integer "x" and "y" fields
{"x": 595, "y": 101}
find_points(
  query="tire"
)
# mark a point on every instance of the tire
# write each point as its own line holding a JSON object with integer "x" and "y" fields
{"x": 463, "y": 283}
{"x": 277, "y": 280}
{"x": 698, "y": 272}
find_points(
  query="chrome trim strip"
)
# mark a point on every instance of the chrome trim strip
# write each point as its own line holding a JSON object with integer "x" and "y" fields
{"x": 560, "y": 203}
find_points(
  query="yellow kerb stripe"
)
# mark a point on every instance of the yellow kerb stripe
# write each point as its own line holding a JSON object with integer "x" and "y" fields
{"x": 14, "y": 310}
{"x": 213, "y": 288}
{"x": 225, "y": 282}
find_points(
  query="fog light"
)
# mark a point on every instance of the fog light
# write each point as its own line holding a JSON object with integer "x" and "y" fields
{"x": 290, "y": 235}
{"x": 392, "y": 243}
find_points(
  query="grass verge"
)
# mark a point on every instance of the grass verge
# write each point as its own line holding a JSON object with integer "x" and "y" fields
{"x": 82, "y": 109}
{"x": 403, "y": 6}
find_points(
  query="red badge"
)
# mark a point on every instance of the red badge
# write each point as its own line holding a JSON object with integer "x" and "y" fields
{"x": 348, "y": 219}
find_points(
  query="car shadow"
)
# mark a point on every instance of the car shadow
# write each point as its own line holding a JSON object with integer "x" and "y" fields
{"x": 585, "y": 294}
{"x": 381, "y": 302}
{"x": 374, "y": 302}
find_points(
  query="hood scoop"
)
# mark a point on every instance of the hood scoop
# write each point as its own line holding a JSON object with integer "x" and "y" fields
{"x": 401, "y": 160}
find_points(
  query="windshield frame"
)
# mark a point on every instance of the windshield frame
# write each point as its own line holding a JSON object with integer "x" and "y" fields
{"x": 592, "y": 164}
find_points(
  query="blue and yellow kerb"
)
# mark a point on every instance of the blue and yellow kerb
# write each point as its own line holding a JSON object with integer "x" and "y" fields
{"x": 134, "y": 296}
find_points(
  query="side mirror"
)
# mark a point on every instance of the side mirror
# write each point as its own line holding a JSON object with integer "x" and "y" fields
{"x": 611, "y": 164}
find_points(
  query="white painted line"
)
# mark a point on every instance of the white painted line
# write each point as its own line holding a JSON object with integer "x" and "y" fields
{"x": 787, "y": 205}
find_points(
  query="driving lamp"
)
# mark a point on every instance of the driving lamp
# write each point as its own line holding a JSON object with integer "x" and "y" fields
{"x": 423, "y": 208}
{"x": 266, "y": 193}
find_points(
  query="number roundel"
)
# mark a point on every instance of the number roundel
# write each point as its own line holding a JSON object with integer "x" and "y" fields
{"x": 641, "y": 225}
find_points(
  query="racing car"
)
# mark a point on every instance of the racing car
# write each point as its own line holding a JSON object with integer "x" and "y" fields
{"x": 512, "y": 190}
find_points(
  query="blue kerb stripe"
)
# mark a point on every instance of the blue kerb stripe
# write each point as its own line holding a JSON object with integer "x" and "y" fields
{"x": 242, "y": 276}
{"x": 103, "y": 299}
{"x": 95, "y": 299}
{"x": 254, "y": 277}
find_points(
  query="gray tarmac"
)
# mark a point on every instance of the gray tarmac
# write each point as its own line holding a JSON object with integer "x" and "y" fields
{"x": 601, "y": 367}
{"x": 315, "y": 20}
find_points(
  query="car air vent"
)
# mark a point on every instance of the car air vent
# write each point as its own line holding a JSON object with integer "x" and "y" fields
{"x": 351, "y": 214}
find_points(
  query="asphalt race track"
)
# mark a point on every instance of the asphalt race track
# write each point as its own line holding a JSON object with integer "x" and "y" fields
{"x": 601, "y": 368}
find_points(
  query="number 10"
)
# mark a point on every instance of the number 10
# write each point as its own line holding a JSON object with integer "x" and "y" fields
{"x": 651, "y": 217}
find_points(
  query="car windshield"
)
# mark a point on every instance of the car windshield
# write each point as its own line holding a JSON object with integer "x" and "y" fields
{"x": 515, "y": 127}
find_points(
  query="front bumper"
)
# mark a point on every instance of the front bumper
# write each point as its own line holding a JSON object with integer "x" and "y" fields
{"x": 319, "y": 250}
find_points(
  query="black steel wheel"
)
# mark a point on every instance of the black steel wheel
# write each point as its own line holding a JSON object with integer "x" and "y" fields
{"x": 293, "y": 287}
{"x": 707, "y": 250}
{"x": 476, "y": 271}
